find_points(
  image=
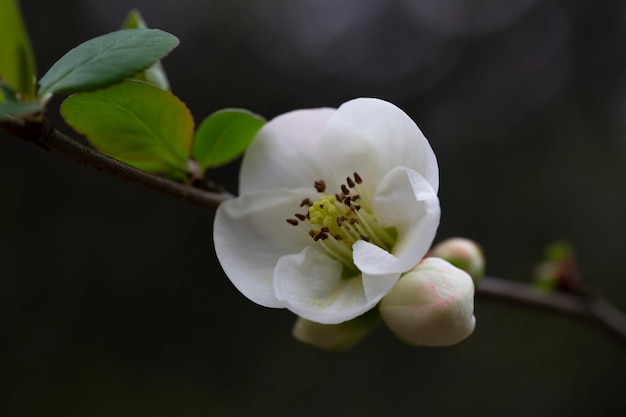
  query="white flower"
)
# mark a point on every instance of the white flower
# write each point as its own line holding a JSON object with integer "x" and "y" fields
{"x": 431, "y": 305}
{"x": 334, "y": 205}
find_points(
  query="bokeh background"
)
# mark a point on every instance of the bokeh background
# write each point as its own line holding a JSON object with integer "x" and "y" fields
{"x": 111, "y": 299}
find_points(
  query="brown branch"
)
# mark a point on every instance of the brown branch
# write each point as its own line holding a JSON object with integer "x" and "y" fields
{"x": 44, "y": 135}
{"x": 591, "y": 309}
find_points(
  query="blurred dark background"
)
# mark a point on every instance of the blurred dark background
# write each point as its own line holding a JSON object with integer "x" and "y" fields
{"x": 111, "y": 300}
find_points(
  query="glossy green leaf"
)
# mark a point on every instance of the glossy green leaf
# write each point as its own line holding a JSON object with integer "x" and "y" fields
{"x": 136, "y": 123}
{"x": 17, "y": 109}
{"x": 17, "y": 64}
{"x": 225, "y": 135}
{"x": 156, "y": 73}
{"x": 107, "y": 60}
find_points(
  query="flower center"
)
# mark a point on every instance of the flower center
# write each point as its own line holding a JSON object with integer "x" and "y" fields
{"x": 337, "y": 221}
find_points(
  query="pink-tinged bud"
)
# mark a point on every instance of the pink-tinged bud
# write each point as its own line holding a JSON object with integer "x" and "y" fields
{"x": 463, "y": 253}
{"x": 431, "y": 305}
{"x": 338, "y": 337}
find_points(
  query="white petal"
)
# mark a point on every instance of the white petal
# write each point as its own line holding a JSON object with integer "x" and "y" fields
{"x": 285, "y": 153}
{"x": 251, "y": 234}
{"x": 310, "y": 284}
{"x": 377, "y": 136}
{"x": 406, "y": 201}
{"x": 377, "y": 286}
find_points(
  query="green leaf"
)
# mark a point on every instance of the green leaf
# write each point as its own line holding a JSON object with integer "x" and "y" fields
{"x": 17, "y": 64}
{"x": 134, "y": 20}
{"x": 558, "y": 251}
{"x": 156, "y": 73}
{"x": 6, "y": 93}
{"x": 107, "y": 60}
{"x": 17, "y": 109}
{"x": 136, "y": 123}
{"x": 225, "y": 135}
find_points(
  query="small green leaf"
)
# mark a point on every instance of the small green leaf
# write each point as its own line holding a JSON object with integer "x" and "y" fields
{"x": 156, "y": 73}
{"x": 107, "y": 60}
{"x": 558, "y": 251}
{"x": 134, "y": 20}
{"x": 17, "y": 109}
{"x": 558, "y": 271}
{"x": 6, "y": 93}
{"x": 225, "y": 135}
{"x": 17, "y": 64}
{"x": 136, "y": 123}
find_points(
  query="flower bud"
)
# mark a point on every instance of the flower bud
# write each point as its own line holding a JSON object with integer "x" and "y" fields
{"x": 338, "y": 337}
{"x": 463, "y": 253}
{"x": 431, "y": 305}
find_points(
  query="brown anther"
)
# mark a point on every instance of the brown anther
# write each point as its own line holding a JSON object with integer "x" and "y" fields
{"x": 355, "y": 207}
{"x": 300, "y": 216}
{"x": 357, "y": 178}
{"x": 321, "y": 206}
{"x": 320, "y": 186}
{"x": 306, "y": 202}
{"x": 365, "y": 238}
{"x": 339, "y": 197}
{"x": 344, "y": 189}
{"x": 347, "y": 201}
{"x": 340, "y": 220}
{"x": 324, "y": 230}
{"x": 312, "y": 233}
{"x": 355, "y": 197}
{"x": 350, "y": 182}
{"x": 292, "y": 222}
{"x": 317, "y": 237}
{"x": 338, "y": 237}
{"x": 354, "y": 220}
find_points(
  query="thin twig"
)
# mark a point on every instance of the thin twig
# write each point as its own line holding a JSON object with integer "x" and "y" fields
{"x": 592, "y": 309}
{"x": 42, "y": 134}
